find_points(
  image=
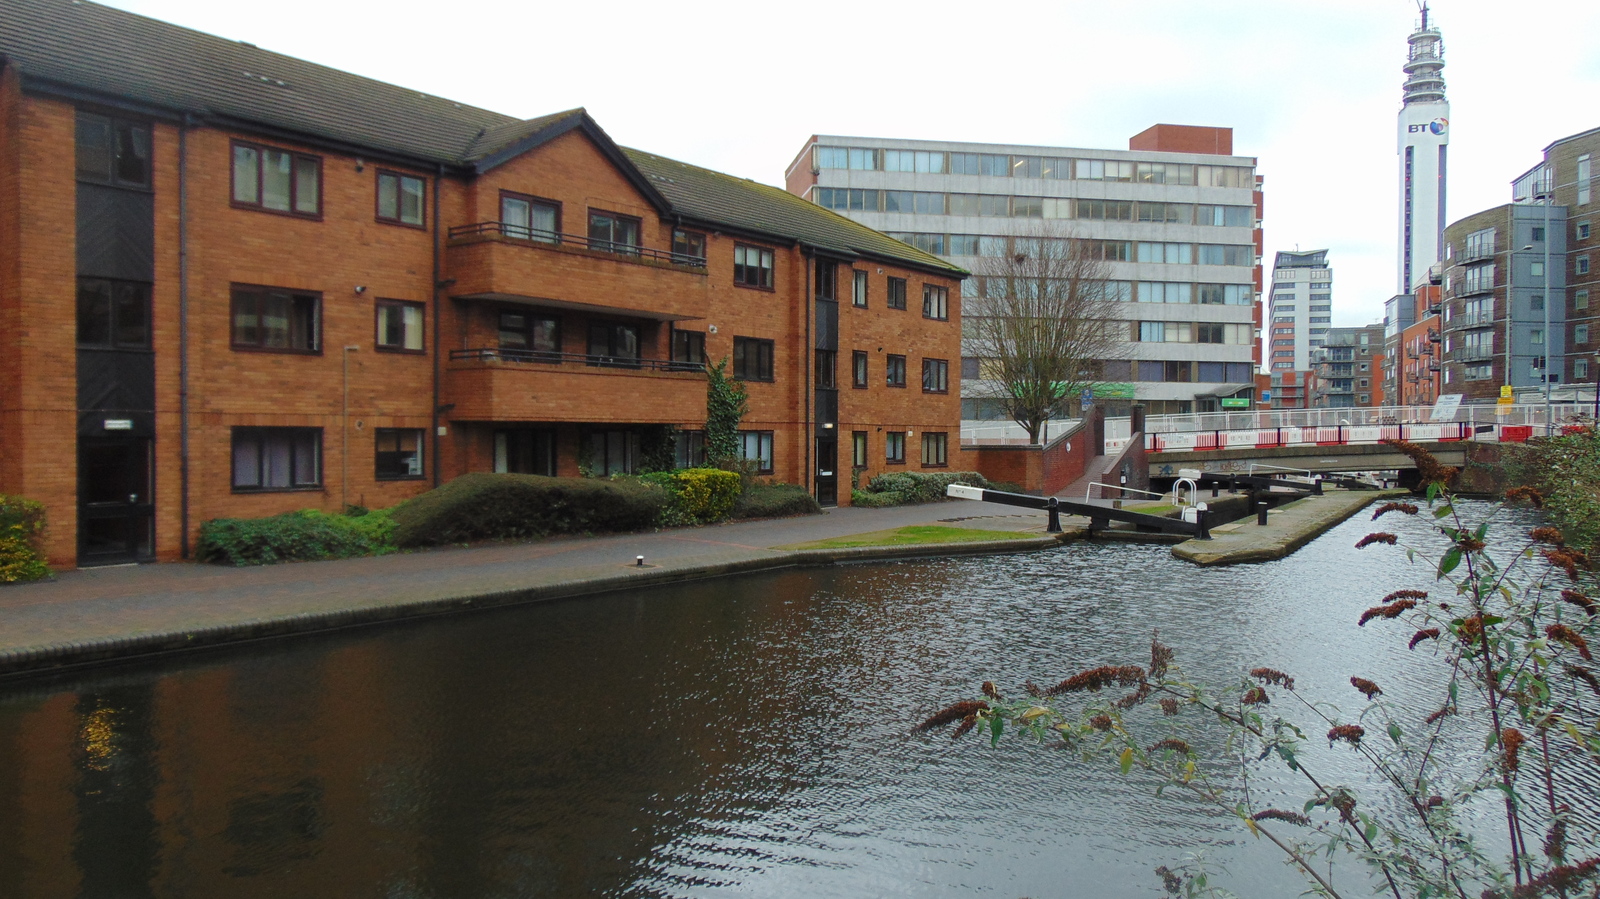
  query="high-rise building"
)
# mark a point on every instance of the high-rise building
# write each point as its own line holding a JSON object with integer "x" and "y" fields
{"x": 1424, "y": 136}
{"x": 1176, "y": 217}
{"x": 1566, "y": 178}
{"x": 1300, "y": 308}
{"x": 1348, "y": 368}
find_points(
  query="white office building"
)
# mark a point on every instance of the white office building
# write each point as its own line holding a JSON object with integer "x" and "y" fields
{"x": 1424, "y": 137}
{"x": 1176, "y": 217}
{"x": 1299, "y": 310}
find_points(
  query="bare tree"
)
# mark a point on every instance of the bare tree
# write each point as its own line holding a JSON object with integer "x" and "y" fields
{"x": 1043, "y": 324}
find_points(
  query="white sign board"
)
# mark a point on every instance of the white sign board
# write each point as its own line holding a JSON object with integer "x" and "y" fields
{"x": 1444, "y": 408}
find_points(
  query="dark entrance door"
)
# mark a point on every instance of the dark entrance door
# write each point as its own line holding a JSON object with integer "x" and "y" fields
{"x": 828, "y": 471}
{"x": 114, "y": 503}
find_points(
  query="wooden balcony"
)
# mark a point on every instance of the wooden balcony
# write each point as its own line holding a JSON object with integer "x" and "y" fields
{"x": 490, "y": 384}
{"x": 494, "y": 261}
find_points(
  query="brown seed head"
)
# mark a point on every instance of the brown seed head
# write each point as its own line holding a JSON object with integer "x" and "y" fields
{"x": 1429, "y": 469}
{"x": 1386, "y": 508}
{"x": 1431, "y": 633}
{"x": 1174, "y": 744}
{"x": 1095, "y": 678}
{"x": 1548, "y": 535}
{"x": 1563, "y": 634}
{"x": 1562, "y": 880}
{"x": 1392, "y": 610}
{"x": 1160, "y": 658}
{"x": 1434, "y": 801}
{"x": 1526, "y": 494}
{"x": 1405, "y": 594}
{"x": 1169, "y": 706}
{"x": 1583, "y": 602}
{"x": 1170, "y": 880}
{"x": 1555, "y": 839}
{"x": 1580, "y": 673}
{"x": 951, "y": 713}
{"x": 1134, "y": 698}
{"x": 967, "y": 723}
{"x": 1255, "y": 696}
{"x": 1273, "y": 676}
{"x": 1511, "y": 741}
{"x": 1350, "y": 733}
{"x": 1366, "y": 686}
{"x": 991, "y": 691}
{"x": 1100, "y": 722}
{"x": 1376, "y": 538}
{"x": 1278, "y": 814}
{"x": 1470, "y": 544}
{"x": 1470, "y": 629}
{"x": 1447, "y": 710}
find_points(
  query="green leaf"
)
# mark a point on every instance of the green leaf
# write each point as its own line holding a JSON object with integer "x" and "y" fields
{"x": 1433, "y": 492}
{"x": 1126, "y": 761}
{"x": 996, "y": 726}
{"x": 1411, "y": 555}
{"x": 1450, "y": 561}
{"x": 1394, "y": 733}
{"x": 1454, "y": 687}
{"x": 1481, "y": 531}
{"x": 1443, "y": 511}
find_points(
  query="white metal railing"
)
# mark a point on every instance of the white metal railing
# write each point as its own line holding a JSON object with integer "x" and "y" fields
{"x": 1518, "y": 414}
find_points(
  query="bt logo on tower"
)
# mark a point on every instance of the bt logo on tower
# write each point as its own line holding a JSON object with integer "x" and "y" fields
{"x": 1437, "y": 126}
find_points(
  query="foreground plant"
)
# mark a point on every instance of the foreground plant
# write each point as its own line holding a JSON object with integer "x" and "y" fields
{"x": 1514, "y": 642}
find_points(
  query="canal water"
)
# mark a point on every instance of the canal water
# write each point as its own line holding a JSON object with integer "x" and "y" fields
{"x": 745, "y": 736}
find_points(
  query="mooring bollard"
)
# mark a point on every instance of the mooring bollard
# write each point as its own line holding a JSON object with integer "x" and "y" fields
{"x": 1054, "y": 526}
{"x": 1215, "y": 487}
{"x": 1261, "y": 513}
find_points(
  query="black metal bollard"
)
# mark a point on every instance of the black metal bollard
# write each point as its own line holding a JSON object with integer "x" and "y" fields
{"x": 1261, "y": 513}
{"x": 1215, "y": 488}
{"x": 1054, "y": 526}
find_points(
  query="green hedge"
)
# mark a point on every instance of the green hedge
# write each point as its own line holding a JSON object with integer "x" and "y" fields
{"x": 21, "y": 533}
{"x": 303, "y": 536}
{"x": 499, "y": 506}
{"x": 774, "y": 501}
{"x": 696, "y": 495}
{"x": 903, "y": 488}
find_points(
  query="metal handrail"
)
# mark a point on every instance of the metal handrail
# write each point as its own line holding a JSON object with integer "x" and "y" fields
{"x": 500, "y": 354}
{"x": 539, "y": 235}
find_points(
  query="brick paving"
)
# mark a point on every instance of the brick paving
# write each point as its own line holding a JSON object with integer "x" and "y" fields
{"x": 102, "y": 613}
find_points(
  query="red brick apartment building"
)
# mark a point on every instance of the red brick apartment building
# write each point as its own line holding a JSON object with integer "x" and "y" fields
{"x": 238, "y": 284}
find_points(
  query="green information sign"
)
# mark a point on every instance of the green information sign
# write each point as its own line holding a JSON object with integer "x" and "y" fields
{"x": 1235, "y": 402}
{"x": 1113, "y": 391}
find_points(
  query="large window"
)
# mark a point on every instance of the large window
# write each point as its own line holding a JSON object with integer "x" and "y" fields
{"x": 858, "y": 369}
{"x": 538, "y": 333}
{"x": 401, "y": 199}
{"x": 897, "y": 293}
{"x": 1174, "y": 253}
{"x": 689, "y": 449}
{"x": 935, "y": 449}
{"x": 1106, "y": 210}
{"x": 1227, "y": 254}
{"x": 277, "y": 458}
{"x": 752, "y": 266}
{"x": 935, "y": 376}
{"x": 113, "y": 314}
{"x": 858, "y": 449}
{"x": 752, "y": 359}
{"x": 895, "y": 371}
{"x": 614, "y": 344}
{"x": 525, "y": 451}
{"x": 398, "y": 454}
{"x": 756, "y": 447}
{"x": 827, "y": 365}
{"x": 111, "y": 151}
{"x": 1104, "y": 170}
{"x": 935, "y": 302}
{"x": 277, "y": 180}
{"x": 688, "y": 247}
{"x": 529, "y": 218}
{"x": 612, "y": 233}
{"x": 613, "y": 452}
{"x": 400, "y": 326}
{"x": 689, "y": 349}
{"x": 894, "y": 447}
{"x": 265, "y": 318}
{"x": 858, "y": 289}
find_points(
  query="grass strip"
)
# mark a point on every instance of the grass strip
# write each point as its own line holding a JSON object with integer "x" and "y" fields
{"x": 912, "y": 535}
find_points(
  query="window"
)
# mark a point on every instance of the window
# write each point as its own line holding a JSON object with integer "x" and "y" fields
{"x": 1580, "y": 299}
{"x": 281, "y": 320}
{"x": 1227, "y": 254}
{"x": 1027, "y": 207}
{"x": 858, "y": 449}
{"x": 1580, "y": 369}
{"x": 1165, "y": 213}
{"x": 846, "y": 158}
{"x": 689, "y": 449}
{"x": 858, "y": 369}
{"x": 527, "y": 218}
{"x": 935, "y": 447}
{"x": 614, "y": 345}
{"x": 1208, "y": 333}
{"x": 1106, "y": 210}
{"x": 277, "y": 458}
{"x": 935, "y": 376}
{"x": 894, "y": 447}
{"x": 113, "y": 314}
{"x": 935, "y": 302}
{"x": 526, "y": 451}
{"x": 277, "y": 180}
{"x": 1580, "y": 334}
{"x": 688, "y": 350}
{"x": 1104, "y": 170}
{"x": 400, "y": 326}
{"x": 827, "y": 362}
{"x": 1583, "y": 179}
{"x": 756, "y": 446}
{"x": 1478, "y": 244}
{"x": 752, "y": 266}
{"x": 1164, "y": 292}
{"x": 1229, "y": 217}
{"x": 1536, "y": 337}
{"x": 688, "y": 247}
{"x": 858, "y": 289}
{"x": 895, "y": 371}
{"x": 111, "y": 151}
{"x": 613, "y": 452}
{"x": 752, "y": 359}
{"x": 1583, "y": 230}
{"x": 1176, "y": 253}
{"x": 1581, "y": 265}
{"x": 400, "y": 199}
{"x": 826, "y": 286}
{"x": 1536, "y": 269}
{"x": 538, "y": 335}
{"x": 399, "y": 453}
{"x": 611, "y": 233}
{"x": 897, "y": 293}
{"x": 1538, "y": 234}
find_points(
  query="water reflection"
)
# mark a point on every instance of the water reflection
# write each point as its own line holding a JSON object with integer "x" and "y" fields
{"x": 741, "y": 736}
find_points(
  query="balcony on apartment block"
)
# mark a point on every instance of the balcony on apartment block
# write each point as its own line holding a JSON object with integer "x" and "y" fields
{"x": 500, "y": 262}
{"x": 497, "y": 384}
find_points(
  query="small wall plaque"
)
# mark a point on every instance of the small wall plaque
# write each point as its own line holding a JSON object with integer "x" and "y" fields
{"x": 118, "y": 424}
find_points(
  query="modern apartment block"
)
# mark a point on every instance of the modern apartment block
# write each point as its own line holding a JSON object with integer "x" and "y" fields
{"x": 1423, "y": 137}
{"x": 1300, "y": 308}
{"x": 1348, "y": 368}
{"x": 1566, "y": 179}
{"x": 238, "y": 284}
{"x": 1176, "y": 217}
{"x": 1495, "y": 284}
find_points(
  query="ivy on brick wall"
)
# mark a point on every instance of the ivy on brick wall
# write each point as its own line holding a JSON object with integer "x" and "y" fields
{"x": 726, "y": 405}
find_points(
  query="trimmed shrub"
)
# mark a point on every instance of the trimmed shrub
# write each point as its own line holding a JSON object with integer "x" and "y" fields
{"x": 21, "y": 533}
{"x": 698, "y": 495}
{"x": 483, "y": 506}
{"x": 304, "y": 536}
{"x": 904, "y": 488}
{"x": 774, "y": 501}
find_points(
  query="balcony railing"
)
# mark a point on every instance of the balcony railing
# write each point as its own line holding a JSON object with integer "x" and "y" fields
{"x": 536, "y": 235}
{"x": 497, "y": 354}
{"x": 1472, "y": 353}
{"x": 1471, "y": 320}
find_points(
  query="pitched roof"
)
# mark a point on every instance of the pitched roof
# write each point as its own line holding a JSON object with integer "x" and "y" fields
{"x": 96, "y": 52}
{"x": 714, "y": 197}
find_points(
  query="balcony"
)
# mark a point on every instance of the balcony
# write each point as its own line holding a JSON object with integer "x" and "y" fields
{"x": 496, "y": 261}
{"x": 492, "y": 384}
{"x": 1472, "y": 354}
{"x": 1433, "y": 365}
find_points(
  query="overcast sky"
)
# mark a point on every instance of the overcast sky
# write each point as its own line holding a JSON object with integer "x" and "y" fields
{"x": 1310, "y": 89}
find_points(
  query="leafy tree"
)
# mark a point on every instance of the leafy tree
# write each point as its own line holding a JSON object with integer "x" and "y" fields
{"x": 726, "y": 405}
{"x": 1043, "y": 326}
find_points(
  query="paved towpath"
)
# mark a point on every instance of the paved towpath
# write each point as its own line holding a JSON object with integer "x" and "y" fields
{"x": 99, "y": 614}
